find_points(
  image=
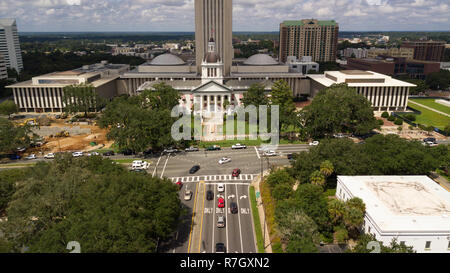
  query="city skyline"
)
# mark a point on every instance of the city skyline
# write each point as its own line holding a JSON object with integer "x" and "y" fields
{"x": 178, "y": 15}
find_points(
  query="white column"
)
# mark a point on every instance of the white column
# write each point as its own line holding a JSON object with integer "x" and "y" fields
{"x": 222, "y": 101}
{"x": 209, "y": 103}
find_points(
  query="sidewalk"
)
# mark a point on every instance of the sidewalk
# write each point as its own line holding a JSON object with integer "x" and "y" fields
{"x": 262, "y": 216}
{"x": 443, "y": 182}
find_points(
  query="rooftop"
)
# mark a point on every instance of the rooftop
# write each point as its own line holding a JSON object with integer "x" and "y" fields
{"x": 310, "y": 21}
{"x": 357, "y": 78}
{"x": 402, "y": 203}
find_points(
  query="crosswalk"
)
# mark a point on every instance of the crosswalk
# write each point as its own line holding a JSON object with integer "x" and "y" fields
{"x": 214, "y": 178}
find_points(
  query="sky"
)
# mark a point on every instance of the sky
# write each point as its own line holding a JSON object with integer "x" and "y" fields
{"x": 248, "y": 15}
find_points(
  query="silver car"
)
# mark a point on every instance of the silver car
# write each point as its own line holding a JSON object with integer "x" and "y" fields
{"x": 221, "y": 222}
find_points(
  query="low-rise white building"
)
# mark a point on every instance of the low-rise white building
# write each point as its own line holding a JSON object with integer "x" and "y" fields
{"x": 303, "y": 66}
{"x": 45, "y": 93}
{"x": 384, "y": 92}
{"x": 414, "y": 210}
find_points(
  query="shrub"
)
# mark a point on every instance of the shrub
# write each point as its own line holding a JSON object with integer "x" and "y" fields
{"x": 385, "y": 115}
{"x": 411, "y": 117}
{"x": 380, "y": 122}
{"x": 398, "y": 122}
{"x": 341, "y": 235}
{"x": 391, "y": 118}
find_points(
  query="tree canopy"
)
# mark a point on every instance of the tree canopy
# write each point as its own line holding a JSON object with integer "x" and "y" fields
{"x": 92, "y": 201}
{"x": 8, "y": 107}
{"x": 13, "y": 137}
{"x": 81, "y": 98}
{"x": 255, "y": 95}
{"x": 338, "y": 109}
{"x": 144, "y": 121}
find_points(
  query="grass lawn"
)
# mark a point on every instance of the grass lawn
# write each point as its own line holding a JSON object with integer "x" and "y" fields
{"x": 430, "y": 118}
{"x": 432, "y": 104}
{"x": 255, "y": 213}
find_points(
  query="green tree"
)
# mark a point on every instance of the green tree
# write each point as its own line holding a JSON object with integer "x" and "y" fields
{"x": 338, "y": 109}
{"x": 280, "y": 177}
{"x": 141, "y": 122}
{"x": 101, "y": 205}
{"x": 81, "y": 99}
{"x": 318, "y": 178}
{"x": 8, "y": 107}
{"x": 394, "y": 247}
{"x": 336, "y": 209}
{"x": 281, "y": 95}
{"x": 438, "y": 80}
{"x": 310, "y": 199}
{"x": 13, "y": 137}
{"x": 256, "y": 95}
{"x": 327, "y": 168}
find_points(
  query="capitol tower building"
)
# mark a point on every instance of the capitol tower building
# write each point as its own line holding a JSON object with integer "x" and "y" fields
{"x": 213, "y": 79}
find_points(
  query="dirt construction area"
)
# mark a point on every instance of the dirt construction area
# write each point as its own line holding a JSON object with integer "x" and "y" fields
{"x": 80, "y": 136}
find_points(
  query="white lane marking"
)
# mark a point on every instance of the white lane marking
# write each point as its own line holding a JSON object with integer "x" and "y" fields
{"x": 239, "y": 218}
{"x": 214, "y": 221}
{"x": 257, "y": 153}
{"x": 165, "y": 165}
{"x": 226, "y": 217}
{"x": 154, "y": 172}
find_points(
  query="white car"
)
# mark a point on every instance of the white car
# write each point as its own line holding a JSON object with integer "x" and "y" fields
{"x": 224, "y": 160}
{"x": 430, "y": 144}
{"x": 49, "y": 156}
{"x": 220, "y": 187}
{"x": 140, "y": 165}
{"x": 93, "y": 154}
{"x": 31, "y": 157}
{"x": 188, "y": 195}
{"x": 238, "y": 147}
{"x": 270, "y": 153}
{"x": 77, "y": 154}
{"x": 314, "y": 143}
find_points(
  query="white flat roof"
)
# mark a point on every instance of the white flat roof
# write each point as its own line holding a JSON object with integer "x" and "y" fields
{"x": 402, "y": 204}
{"x": 342, "y": 77}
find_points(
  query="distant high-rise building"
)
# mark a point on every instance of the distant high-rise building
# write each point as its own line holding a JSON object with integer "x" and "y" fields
{"x": 427, "y": 50}
{"x": 214, "y": 19}
{"x": 309, "y": 37}
{"x": 3, "y": 72}
{"x": 9, "y": 44}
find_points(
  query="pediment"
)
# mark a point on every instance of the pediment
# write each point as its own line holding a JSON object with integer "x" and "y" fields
{"x": 212, "y": 87}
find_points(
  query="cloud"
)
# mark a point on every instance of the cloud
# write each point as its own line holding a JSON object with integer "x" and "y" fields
{"x": 248, "y": 15}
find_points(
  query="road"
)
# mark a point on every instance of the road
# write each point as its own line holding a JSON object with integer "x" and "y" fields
{"x": 198, "y": 231}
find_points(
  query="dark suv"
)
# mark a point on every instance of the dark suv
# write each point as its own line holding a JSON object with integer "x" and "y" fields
{"x": 194, "y": 169}
{"x": 233, "y": 208}
{"x": 209, "y": 196}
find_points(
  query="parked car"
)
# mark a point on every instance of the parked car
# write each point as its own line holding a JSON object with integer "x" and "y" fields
{"x": 194, "y": 169}
{"x": 340, "y": 135}
{"x": 236, "y": 172}
{"x": 149, "y": 153}
{"x": 93, "y": 154}
{"x": 31, "y": 157}
{"x": 290, "y": 157}
{"x": 214, "y": 148}
{"x": 220, "y": 248}
{"x": 210, "y": 195}
{"x": 188, "y": 195}
{"x": 14, "y": 157}
{"x": 221, "y": 222}
{"x": 140, "y": 165}
{"x": 49, "y": 156}
{"x": 270, "y": 153}
{"x": 192, "y": 149}
{"x": 220, "y": 188}
{"x": 234, "y": 208}
{"x": 238, "y": 147}
{"x": 109, "y": 153}
{"x": 77, "y": 154}
{"x": 314, "y": 143}
{"x": 127, "y": 152}
{"x": 221, "y": 203}
{"x": 21, "y": 149}
{"x": 224, "y": 160}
